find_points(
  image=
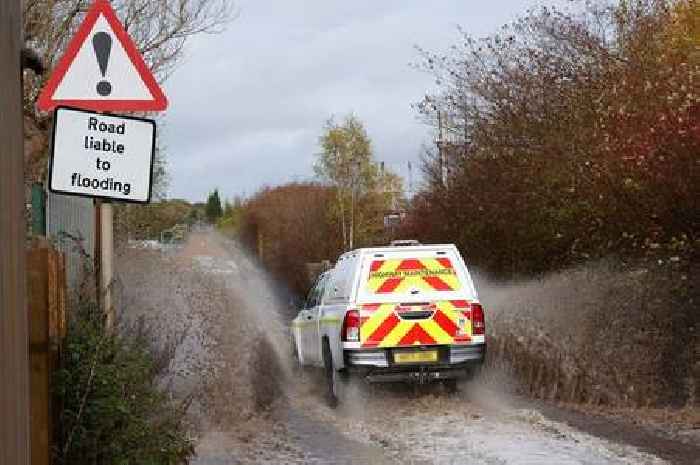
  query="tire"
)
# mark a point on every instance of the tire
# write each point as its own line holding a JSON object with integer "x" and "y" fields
{"x": 331, "y": 375}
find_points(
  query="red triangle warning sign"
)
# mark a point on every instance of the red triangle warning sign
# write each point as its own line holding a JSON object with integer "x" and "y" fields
{"x": 102, "y": 70}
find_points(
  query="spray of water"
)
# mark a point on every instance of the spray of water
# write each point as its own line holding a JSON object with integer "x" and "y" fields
{"x": 592, "y": 334}
{"x": 230, "y": 326}
{"x": 227, "y": 315}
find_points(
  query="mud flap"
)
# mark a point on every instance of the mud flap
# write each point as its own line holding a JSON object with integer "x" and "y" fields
{"x": 330, "y": 375}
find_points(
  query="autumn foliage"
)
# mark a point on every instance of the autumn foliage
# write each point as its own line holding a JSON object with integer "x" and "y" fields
{"x": 570, "y": 137}
{"x": 296, "y": 227}
{"x": 289, "y": 226}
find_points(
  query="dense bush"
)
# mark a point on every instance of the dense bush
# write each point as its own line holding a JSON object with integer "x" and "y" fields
{"x": 149, "y": 221}
{"x": 289, "y": 226}
{"x": 112, "y": 407}
{"x": 569, "y": 137}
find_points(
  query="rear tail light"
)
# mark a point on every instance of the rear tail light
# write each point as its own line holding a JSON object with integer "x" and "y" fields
{"x": 351, "y": 326}
{"x": 478, "y": 323}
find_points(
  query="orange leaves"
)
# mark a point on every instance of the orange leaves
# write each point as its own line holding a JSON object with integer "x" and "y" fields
{"x": 594, "y": 132}
{"x": 289, "y": 226}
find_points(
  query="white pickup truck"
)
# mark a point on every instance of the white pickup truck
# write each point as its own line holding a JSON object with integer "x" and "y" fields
{"x": 406, "y": 312}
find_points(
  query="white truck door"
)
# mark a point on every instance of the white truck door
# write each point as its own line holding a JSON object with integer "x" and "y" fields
{"x": 315, "y": 356}
{"x": 309, "y": 323}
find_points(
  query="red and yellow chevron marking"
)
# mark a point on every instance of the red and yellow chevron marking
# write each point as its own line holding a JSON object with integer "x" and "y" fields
{"x": 382, "y": 326}
{"x": 398, "y": 276}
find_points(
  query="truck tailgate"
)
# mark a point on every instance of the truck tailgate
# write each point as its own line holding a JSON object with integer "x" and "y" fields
{"x": 403, "y": 325}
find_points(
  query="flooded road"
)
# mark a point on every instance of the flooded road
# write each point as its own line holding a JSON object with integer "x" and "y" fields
{"x": 252, "y": 407}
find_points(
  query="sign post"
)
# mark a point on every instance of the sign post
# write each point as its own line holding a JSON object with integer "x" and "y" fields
{"x": 103, "y": 156}
{"x": 107, "y": 255}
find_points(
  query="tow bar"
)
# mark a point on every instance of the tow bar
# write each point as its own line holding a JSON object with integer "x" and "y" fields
{"x": 423, "y": 376}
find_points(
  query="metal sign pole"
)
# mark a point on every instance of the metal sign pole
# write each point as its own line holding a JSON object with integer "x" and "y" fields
{"x": 104, "y": 259}
{"x": 97, "y": 251}
{"x": 107, "y": 262}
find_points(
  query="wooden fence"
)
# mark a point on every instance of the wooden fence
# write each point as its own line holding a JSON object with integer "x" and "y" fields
{"x": 46, "y": 304}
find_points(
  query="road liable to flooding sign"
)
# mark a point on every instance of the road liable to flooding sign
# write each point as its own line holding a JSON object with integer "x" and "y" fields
{"x": 103, "y": 156}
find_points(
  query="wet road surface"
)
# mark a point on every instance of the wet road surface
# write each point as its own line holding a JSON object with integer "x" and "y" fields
{"x": 256, "y": 410}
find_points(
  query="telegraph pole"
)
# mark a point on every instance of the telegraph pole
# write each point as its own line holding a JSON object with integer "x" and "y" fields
{"x": 354, "y": 169}
{"x": 441, "y": 150}
{"x": 14, "y": 345}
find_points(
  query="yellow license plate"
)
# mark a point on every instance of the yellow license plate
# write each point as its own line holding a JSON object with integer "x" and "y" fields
{"x": 416, "y": 357}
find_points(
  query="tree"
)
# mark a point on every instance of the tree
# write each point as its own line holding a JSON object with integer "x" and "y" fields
{"x": 213, "y": 210}
{"x": 289, "y": 226}
{"x": 230, "y": 220}
{"x": 346, "y": 162}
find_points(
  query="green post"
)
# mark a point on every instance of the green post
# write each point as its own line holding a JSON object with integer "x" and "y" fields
{"x": 38, "y": 210}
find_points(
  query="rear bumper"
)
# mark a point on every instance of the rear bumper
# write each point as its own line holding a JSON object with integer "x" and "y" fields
{"x": 377, "y": 365}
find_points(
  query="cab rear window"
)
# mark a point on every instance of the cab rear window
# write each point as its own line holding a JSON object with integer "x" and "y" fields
{"x": 420, "y": 274}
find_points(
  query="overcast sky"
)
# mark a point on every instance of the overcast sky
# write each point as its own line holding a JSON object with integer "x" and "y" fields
{"x": 247, "y": 106}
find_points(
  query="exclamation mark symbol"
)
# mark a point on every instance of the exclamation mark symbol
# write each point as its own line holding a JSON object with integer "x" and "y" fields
{"x": 102, "y": 43}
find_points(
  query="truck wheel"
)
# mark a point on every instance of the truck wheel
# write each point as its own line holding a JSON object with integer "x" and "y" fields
{"x": 331, "y": 375}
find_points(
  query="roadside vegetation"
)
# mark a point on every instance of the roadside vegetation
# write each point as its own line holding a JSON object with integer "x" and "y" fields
{"x": 114, "y": 407}
{"x": 569, "y": 137}
{"x": 147, "y": 222}
{"x": 213, "y": 210}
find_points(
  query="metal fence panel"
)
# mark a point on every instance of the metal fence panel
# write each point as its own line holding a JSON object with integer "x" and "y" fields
{"x": 70, "y": 224}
